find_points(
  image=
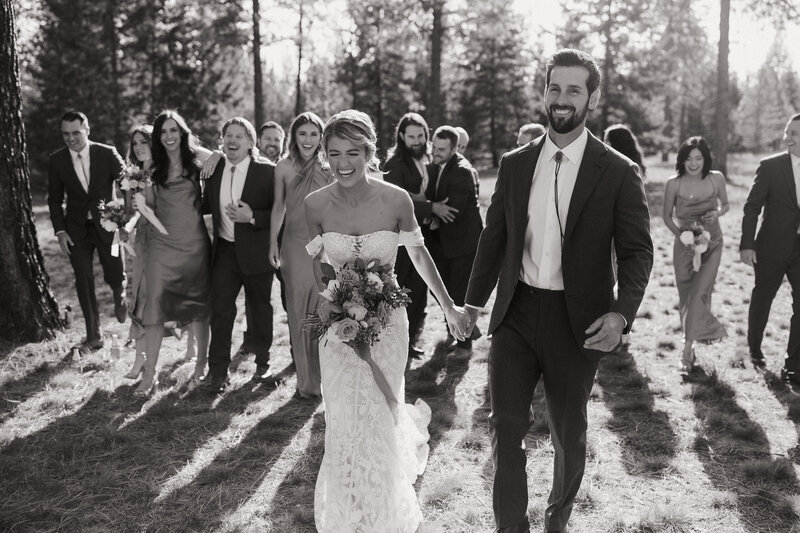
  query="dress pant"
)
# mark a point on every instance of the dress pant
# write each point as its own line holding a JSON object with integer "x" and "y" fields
{"x": 227, "y": 280}
{"x": 82, "y": 258}
{"x": 455, "y": 272}
{"x": 248, "y": 309}
{"x": 535, "y": 341}
{"x": 409, "y": 278}
{"x": 769, "y": 276}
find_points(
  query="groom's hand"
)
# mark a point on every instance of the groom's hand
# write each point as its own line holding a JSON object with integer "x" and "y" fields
{"x": 606, "y": 333}
{"x": 472, "y": 313}
{"x": 241, "y": 213}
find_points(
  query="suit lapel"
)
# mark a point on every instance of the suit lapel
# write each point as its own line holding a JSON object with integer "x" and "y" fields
{"x": 788, "y": 173}
{"x": 521, "y": 182}
{"x": 93, "y": 168}
{"x": 249, "y": 181}
{"x": 70, "y": 172}
{"x": 589, "y": 175}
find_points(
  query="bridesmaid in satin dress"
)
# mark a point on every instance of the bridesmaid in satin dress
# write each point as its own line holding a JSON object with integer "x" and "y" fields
{"x": 296, "y": 176}
{"x": 696, "y": 195}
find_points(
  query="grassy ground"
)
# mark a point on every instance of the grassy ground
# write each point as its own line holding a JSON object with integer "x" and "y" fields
{"x": 717, "y": 453}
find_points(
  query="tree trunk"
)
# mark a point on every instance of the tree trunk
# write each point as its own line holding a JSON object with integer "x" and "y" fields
{"x": 721, "y": 111}
{"x": 298, "y": 102}
{"x": 112, "y": 35}
{"x": 258, "y": 75}
{"x": 608, "y": 68}
{"x": 435, "y": 93}
{"x": 31, "y": 311}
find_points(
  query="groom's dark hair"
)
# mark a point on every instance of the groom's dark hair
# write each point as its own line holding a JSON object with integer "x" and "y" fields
{"x": 569, "y": 57}
{"x": 72, "y": 116}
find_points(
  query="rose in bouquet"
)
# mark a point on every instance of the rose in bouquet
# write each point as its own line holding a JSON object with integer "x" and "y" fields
{"x": 355, "y": 305}
{"x": 133, "y": 179}
{"x": 116, "y": 219}
{"x": 696, "y": 238}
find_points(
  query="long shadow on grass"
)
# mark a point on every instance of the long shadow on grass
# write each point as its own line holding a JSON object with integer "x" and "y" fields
{"x": 437, "y": 389}
{"x": 646, "y": 437}
{"x": 736, "y": 457}
{"x": 17, "y": 391}
{"x": 233, "y": 476}
{"x": 791, "y": 401}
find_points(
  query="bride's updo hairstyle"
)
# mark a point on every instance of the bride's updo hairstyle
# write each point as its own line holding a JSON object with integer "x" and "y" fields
{"x": 357, "y": 128}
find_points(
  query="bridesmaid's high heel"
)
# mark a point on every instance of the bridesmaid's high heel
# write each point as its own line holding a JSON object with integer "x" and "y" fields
{"x": 136, "y": 370}
{"x": 143, "y": 391}
{"x": 688, "y": 359}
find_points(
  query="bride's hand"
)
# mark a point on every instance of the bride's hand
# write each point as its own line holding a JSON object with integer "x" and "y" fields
{"x": 274, "y": 255}
{"x": 458, "y": 322}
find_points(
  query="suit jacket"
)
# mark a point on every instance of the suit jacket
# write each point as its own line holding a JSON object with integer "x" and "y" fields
{"x": 105, "y": 165}
{"x": 405, "y": 174}
{"x": 608, "y": 202}
{"x": 773, "y": 190}
{"x": 251, "y": 240}
{"x": 459, "y": 237}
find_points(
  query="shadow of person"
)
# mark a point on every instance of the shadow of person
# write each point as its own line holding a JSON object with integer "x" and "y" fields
{"x": 16, "y": 391}
{"x": 647, "y": 440}
{"x": 789, "y": 398}
{"x": 735, "y": 453}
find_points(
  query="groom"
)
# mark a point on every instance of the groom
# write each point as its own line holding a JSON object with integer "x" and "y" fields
{"x": 86, "y": 171}
{"x": 555, "y": 314}
{"x": 239, "y": 197}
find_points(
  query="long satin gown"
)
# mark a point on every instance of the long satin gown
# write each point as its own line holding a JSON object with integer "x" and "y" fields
{"x": 695, "y": 288}
{"x": 172, "y": 276}
{"x": 365, "y": 481}
{"x": 302, "y": 293}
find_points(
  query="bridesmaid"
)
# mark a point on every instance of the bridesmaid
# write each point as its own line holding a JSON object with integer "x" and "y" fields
{"x": 296, "y": 176}
{"x": 696, "y": 195}
{"x": 176, "y": 265}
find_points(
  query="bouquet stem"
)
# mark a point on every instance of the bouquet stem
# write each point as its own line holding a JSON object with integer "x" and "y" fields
{"x": 363, "y": 351}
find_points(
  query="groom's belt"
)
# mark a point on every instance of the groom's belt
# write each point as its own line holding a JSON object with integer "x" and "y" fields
{"x": 536, "y": 292}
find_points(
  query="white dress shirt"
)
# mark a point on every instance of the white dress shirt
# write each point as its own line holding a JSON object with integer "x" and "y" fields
{"x": 541, "y": 259}
{"x": 423, "y": 171}
{"x": 231, "y": 192}
{"x": 82, "y": 165}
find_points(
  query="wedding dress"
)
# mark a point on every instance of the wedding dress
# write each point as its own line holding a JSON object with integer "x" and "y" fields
{"x": 365, "y": 482}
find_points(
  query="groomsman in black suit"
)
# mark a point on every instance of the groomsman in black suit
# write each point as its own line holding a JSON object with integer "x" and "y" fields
{"x": 456, "y": 224}
{"x": 407, "y": 167}
{"x": 463, "y": 142}
{"x": 239, "y": 196}
{"x": 86, "y": 171}
{"x": 559, "y": 203}
{"x": 775, "y": 252}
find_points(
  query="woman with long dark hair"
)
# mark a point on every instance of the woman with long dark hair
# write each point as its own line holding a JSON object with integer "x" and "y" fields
{"x": 296, "y": 176}
{"x": 696, "y": 197}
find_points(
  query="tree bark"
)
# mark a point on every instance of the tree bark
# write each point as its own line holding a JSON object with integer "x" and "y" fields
{"x": 112, "y": 35}
{"x": 608, "y": 68}
{"x": 298, "y": 102}
{"x": 30, "y": 312}
{"x": 721, "y": 110}
{"x": 258, "y": 75}
{"x": 435, "y": 91}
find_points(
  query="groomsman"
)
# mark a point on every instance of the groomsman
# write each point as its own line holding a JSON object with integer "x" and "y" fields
{"x": 775, "y": 252}
{"x": 239, "y": 196}
{"x": 463, "y": 142}
{"x": 529, "y": 132}
{"x": 454, "y": 233}
{"x": 86, "y": 171}
{"x": 270, "y": 146}
{"x": 406, "y": 167}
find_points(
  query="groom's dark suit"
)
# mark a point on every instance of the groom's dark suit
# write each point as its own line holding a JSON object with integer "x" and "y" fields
{"x": 243, "y": 262}
{"x": 777, "y": 249}
{"x": 87, "y": 234}
{"x": 540, "y": 333}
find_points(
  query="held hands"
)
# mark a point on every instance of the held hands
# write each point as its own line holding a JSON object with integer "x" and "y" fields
{"x": 748, "y": 257}
{"x": 64, "y": 241}
{"x": 458, "y": 322}
{"x": 241, "y": 213}
{"x": 444, "y": 211}
{"x": 607, "y": 333}
{"x": 274, "y": 255}
{"x": 210, "y": 164}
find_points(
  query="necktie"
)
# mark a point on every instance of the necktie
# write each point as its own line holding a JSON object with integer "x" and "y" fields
{"x": 558, "y": 157}
{"x": 233, "y": 174}
{"x": 82, "y": 176}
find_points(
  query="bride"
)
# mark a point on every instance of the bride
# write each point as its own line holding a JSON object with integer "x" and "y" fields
{"x": 372, "y": 458}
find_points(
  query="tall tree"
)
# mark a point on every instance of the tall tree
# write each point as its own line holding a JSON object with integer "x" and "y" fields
{"x": 434, "y": 97}
{"x": 32, "y": 313}
{"x": 258, "y": 76}
{"x": 722, "y": 101}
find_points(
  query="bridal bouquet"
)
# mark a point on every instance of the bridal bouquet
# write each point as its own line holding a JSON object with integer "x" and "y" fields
{"x": 356, "y": 304}
{"x": 116, "y": 219}
{"x": 134, "y": 179}
{"x": 696, "y": 237}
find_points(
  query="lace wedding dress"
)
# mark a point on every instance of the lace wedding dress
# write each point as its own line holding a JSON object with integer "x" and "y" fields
{"x": 365, "y": 482}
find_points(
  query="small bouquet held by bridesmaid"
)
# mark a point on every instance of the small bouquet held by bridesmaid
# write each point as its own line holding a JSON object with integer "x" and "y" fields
{"x": 356, "y": 305}
{"x": 696, "y": 238}
{"x": 133, "y": 180}
{"x": 116, "y": 219}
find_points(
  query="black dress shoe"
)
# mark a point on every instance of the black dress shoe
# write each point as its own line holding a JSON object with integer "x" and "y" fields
{"x": 215, "y": 384}
{"x": 87, "y": 347}
{"x": 263, "y": 375}
{"x": 792, "y": 378}
{"x": 758, "y": 361}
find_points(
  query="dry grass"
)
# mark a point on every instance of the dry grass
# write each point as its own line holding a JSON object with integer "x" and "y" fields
{"x": 715, "y": 453}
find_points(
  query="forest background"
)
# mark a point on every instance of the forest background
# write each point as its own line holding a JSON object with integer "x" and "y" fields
{"x": 477, "y": 64}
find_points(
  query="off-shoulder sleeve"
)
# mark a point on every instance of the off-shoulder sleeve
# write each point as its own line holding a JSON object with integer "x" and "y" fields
{"x": 314, "y": 247}
{"x": 411, "y": 238}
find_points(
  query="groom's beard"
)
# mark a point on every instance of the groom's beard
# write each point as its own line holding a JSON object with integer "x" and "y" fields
{"x": 568, "y": 123}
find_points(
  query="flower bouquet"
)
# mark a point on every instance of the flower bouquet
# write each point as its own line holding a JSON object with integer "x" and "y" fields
{"x": 356, "y": 306}
{"x": 696, "y": 238}
{"x": 133, "y": 180}
{"x": 116, "y": 219}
